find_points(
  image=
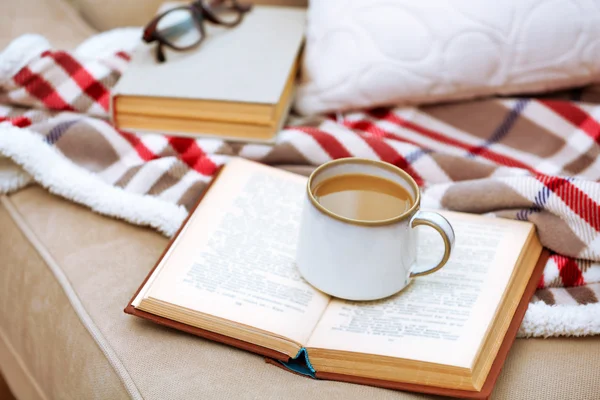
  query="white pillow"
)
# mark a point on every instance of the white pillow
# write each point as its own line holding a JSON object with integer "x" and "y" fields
{"x": 362, "y": 53}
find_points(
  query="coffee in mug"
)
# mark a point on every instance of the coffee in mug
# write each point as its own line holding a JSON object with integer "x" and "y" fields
{"x": 357, "y": 238}
{"x": 363, "y": 197}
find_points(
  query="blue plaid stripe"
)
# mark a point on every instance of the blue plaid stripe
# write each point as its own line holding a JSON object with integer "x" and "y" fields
{"x": 54, "y": 135}
{"x": 503, "y": 128}
{"x": 539, "y": 202}
{"x": 415, "y": 155}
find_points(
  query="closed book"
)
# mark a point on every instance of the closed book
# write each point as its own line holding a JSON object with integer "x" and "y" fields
{"x": 237, "y": 84}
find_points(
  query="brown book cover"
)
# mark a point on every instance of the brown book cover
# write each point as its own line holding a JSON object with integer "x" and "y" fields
{"x": 273, "y": 357}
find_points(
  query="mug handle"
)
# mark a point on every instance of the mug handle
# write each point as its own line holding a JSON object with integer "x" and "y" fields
{"x": 440, "y": 224}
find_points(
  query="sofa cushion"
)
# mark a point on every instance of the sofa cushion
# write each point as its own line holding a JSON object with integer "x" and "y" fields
{"x": 67, "y": 274}
{"x": 57, "y": 20}
{"x": 364, "y": 54}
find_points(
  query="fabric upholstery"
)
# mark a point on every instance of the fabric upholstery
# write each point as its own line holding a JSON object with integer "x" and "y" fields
{"x": 105, "y": 261}
{"x": 42, "y": 328}
{"x": 108, "y": 14}
{"x": 21, "y": 380}
{"x": 55, "y": 19}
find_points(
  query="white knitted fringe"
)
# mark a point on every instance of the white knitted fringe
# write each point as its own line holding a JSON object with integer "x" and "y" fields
{"x": 60, "y": 176}
{"x": 542, "y": 320}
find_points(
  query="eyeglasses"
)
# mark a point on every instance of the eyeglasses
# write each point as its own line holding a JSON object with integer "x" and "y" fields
{"x": 182, "y": 28}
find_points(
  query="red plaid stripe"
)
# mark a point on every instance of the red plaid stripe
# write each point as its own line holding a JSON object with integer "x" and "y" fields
{"x": 144, "y": 152}
{"x": 188, "y": 150}
{"x": 384, "y": 151}
{"x": 569, "y": 270}
{"x": 88, "y": 84}
{"x": 20, "y": 121}
{"x": 388, "y": 154}
{"x": 49, "y": 79}
{"x": 376, "y": 131}
{"x": 574, "y": 198}
{"x": 191, "y": 154}
{"x": 329, "y": 143}
{"x": 577, "y": 116}
{"x": 41, "y": 90}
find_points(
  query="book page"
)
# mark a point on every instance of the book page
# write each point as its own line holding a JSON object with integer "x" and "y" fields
{"x": 442, "y": 317}
{"x": 235, "y": 259}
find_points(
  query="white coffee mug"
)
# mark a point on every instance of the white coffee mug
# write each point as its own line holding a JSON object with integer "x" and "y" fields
{"x": 359, "y": 259}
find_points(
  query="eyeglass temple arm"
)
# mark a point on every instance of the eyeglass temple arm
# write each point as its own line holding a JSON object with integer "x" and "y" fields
{"x": 160, "y": 53}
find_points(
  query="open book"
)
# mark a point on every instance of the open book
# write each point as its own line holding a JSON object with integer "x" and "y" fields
{"x": 229, "y": 275}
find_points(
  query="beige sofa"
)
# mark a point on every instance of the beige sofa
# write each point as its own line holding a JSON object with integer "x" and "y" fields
{"x": 67, "y": 273}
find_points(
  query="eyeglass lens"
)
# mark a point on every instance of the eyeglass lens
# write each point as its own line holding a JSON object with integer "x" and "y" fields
{"x": 178, "y": 28}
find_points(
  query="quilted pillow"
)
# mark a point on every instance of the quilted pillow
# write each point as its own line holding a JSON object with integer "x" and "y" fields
{"x": 369, "y": 53}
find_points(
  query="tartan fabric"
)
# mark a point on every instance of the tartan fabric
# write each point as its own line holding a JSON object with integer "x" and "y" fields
{"x": 532, "y": 159}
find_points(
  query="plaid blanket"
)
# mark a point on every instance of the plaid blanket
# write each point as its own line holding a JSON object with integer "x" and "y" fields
{"x": 534, "y": 159}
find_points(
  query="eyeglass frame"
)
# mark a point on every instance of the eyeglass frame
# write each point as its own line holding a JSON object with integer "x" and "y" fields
{"x": 200, "y": 11}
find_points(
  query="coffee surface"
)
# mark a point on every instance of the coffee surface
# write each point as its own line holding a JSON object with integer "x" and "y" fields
{"x": 363, "y": 197}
